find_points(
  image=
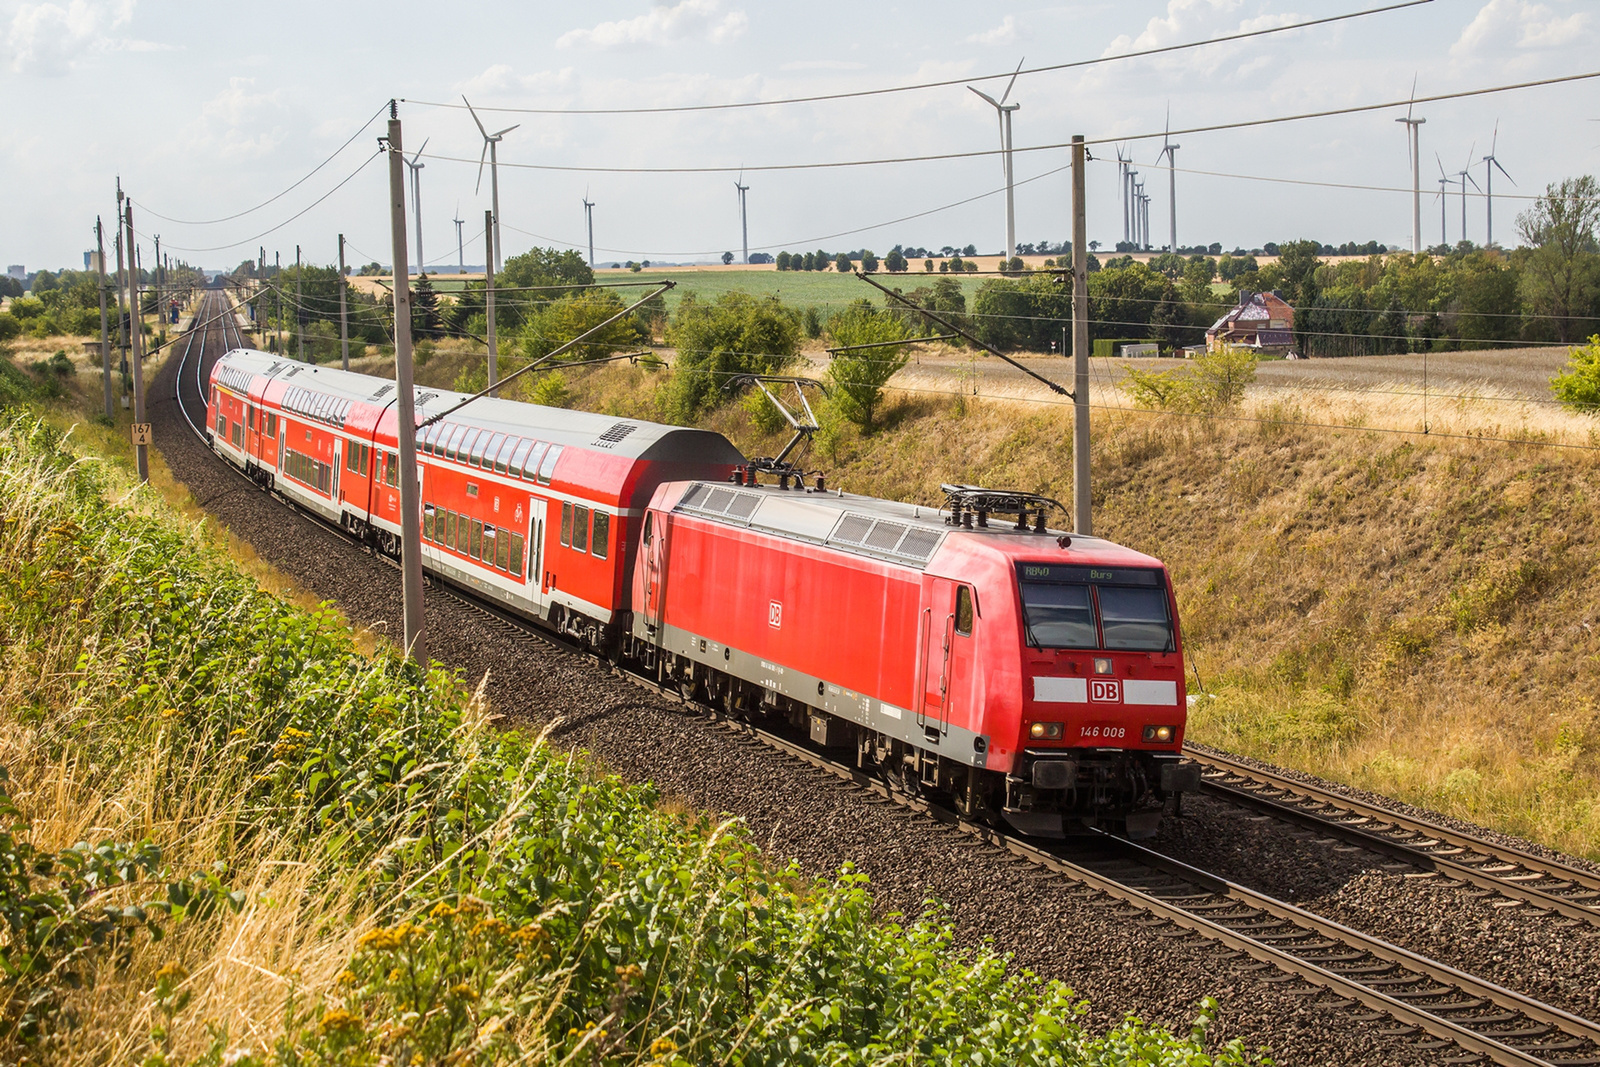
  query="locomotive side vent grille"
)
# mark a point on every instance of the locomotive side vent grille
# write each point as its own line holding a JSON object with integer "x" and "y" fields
{"x": 743, "y": 506}
{"x": 918, "y": 544}
{"x": 885, "y": 535}
{"x": 695, "y": 497}
{"x": 614, "y": 434}
{"x": 719, "y": 501}
{"x": 852, "y": 530}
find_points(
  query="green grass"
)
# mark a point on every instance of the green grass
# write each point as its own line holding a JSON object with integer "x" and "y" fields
{"x": 827, "y": 291}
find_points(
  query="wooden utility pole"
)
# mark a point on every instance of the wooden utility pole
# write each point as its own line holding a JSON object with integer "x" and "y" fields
{"x": 277, "y": 286}
{"x": 261, "y": 296}
{"x": 161, "y": 287}
{"x": 344, "y": 313}
{"x": 105, "y": 344}
{"x": 416, "y": 646}
{"x": 141, "y": 428}
{"x": 122, "y": 315}
{"x": 488, "y": 293}
{"x": 1081, "y": 518}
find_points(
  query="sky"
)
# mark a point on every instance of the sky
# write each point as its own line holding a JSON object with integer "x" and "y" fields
{"x": 210, "y": 111}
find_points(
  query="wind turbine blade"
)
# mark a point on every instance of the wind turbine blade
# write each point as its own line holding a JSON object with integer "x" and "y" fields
{"x": 481, "y": 157}
{"x": 1468, "y": 176}
{"x": 992, "y": 101}
{"x": 1495, "y": 140}
{"x": 1502, "y": 170}
{"x": 1007, "y": 94}
{"x": 1409, "y": 105}
{"x": 418, "y": 155}
{"x": 505, "y": 131}
{"x": 1471, "y": 150}
{"x": 1442, "y": 175}
{"x": 474, "y": 115}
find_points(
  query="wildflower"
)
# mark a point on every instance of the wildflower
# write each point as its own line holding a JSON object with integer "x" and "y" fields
{"x": 172, "y": 971}
{"x": 630, "y": 974}
{"x": 663, "y": 1046}
{"x": 339, "y": 1021}
{"x": 463, "y": 991}
{"x": 441, "y": 910}
{"x": 347, "y": 977}
{"x": 380, "y": 940}
{"x": 491, "y": 926}
{"x": 239, "y": 731}
{"x": 167, "y": 713}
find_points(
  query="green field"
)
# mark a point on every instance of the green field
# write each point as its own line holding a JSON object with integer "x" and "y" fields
{"x": 825, "y": 290}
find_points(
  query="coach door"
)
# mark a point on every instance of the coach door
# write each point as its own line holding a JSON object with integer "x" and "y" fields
{"x": 338, "y": 465}
{"x": 535, "y": 562}
{"x": 655, "y": 540}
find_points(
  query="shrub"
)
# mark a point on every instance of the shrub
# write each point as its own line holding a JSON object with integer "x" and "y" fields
{"x": 10, "y": 326}
{"x": 1578, "y": 384}
{"x": 1211, "y": 383}
{"x": 551, "y": 391}
{"x": 858, "y": 377}
{"x": 738, "y": 334}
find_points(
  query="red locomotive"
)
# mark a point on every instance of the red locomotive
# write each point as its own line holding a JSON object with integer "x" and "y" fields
{"x": 966, "y": 651}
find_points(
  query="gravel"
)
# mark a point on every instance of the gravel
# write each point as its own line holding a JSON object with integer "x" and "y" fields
{"x": 1117, "y": 959}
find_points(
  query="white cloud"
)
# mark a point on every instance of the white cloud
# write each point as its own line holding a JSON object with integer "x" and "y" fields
{"x": 684, "y": 20}
{"x": 503, "y": 78}
{"x": 52, "y": 39}
{"x": 822, "y": 64}
{"x": 1520, "y": 23}
{"x": 1005, "y": 33}
{"x": 239, "y": 122}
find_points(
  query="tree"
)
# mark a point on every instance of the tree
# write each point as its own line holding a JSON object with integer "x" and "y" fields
{"x": 842, "y": 264}
{"x": 970, "y": 251}
{"x": 561, "y": 320}
{"x": 727, "y": 258}
{"x": 425, "y": 320}
{"x": 1578, "y": 385}
{"x": 822, "y": 261}
{"x": 869, "y": 261}
{"x": 895, "y": 262}
{"x": 810, "y": 261}
{"x": 1561, "y": 271}
{"x": 738, "y": 334}
{"x": 783, "y": 261}
{"x": 371, "y": 270}
{"x": 927, "y": 266}
{"x": 858, "y": 376}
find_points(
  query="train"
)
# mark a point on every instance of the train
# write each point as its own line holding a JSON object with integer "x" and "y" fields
{"x": 967, "y": 652}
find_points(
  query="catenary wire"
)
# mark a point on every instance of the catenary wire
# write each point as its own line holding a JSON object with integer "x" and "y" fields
{"x": 1240, "y": 124}
{"x": 291, "y": 218}
{"x": 270, "y": 200}
{"x": 859, "y": 93}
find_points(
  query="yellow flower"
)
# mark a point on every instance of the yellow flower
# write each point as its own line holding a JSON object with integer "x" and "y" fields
{"x": 172, "y": 972}
{"x": 379, "y": 940}
{"x": 663, "y": 1046}
{"x": 463, "y": 991}
{"x": 441, "y": 910}
{"x": 348, "y": 977}
{"x": 337, "y": 1020}
{"x": 239, "y": 732}
{"x": 167, "y": 713}
{"x": 629, "y": 974}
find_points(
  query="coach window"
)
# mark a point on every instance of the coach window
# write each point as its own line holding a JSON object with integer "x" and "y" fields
{"x": 391, "y": 469}
{"x": 566, "y": 523}
{"x": 964, "y": 611}
{"x": 580, "y": 528}
{"x": 479, "y": 447}
{"x": 488, "y": 544}
{"x": 490, "y": 451}
{"x": 475, "y": 545}
{"x": 547, "y": 467}
{"x": 503, "y": 551}
{"x": 464, "y": 451}
{"x": 503, "y": 457}
{"x": 530, "y": 467}
{"x": 450, "y": 530}
{"x": 427, "y": 522}
{"x": 454, "y": 440}
{"x": 518, "y": 456}
{"x": 602, "y": 535}
{"x": 272, "y": 424}
{"x": 517, "y": 547}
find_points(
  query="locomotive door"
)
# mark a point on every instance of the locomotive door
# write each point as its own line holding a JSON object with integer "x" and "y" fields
{"x": 937, "y": 638}
{"x": 655, "y": 539}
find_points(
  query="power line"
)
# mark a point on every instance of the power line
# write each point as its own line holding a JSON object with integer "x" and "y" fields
{"x": 291, "y": 218}
{"x": 229, "y": 218}
{"x": 860, "y": 93}
{"x": 982, "y": 153}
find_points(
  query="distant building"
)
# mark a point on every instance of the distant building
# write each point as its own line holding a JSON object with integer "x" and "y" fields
{"x": 91, "y": 261}
{"x": 17, "y": 271}
{"x": 1261, "y": 321}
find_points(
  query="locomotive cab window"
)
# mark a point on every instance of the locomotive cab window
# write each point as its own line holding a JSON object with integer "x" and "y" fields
{"x": 1058, "y": 616}
{"x": 964, "y": 611}
{"x": 1135, "y": 619}
{"x": 649, "y": 531}
{"x": 1114, "y": 608}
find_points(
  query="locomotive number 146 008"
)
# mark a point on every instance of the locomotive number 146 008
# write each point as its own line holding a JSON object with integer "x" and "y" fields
{"x": 1103, "y": 732}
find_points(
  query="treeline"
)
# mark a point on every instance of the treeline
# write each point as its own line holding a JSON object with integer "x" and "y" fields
{"x": 68, "y": 303}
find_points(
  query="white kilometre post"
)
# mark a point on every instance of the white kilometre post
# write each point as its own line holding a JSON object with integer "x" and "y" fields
{"x": 416, "y": 646}
{"x": 488, "y": 294}
{"x": 135, "y": 355}
{"x": 1081, "y": 519}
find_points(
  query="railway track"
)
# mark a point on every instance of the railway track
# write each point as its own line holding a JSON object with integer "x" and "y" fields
{"x": 1486, "y": 865}
{"x": 1443, "y": 1008}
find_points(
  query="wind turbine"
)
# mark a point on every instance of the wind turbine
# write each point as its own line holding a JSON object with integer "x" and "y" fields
{"x": 1122, "y": 192}
{"x": 490, "y": 142}
{"x": 1444, "y": 182}
{"x": 461, "y": 253}
{"x": 1414, "y": 136}
{"x": 1170, "y": 150}
{"x": 416, "y": 199}
{"x": 588, "y": 214}
{"x": 1464, "y": 175}
{"x": 1490, "y": 164}
{"x": 1004, "y": 111}
{"x": 744, "y": 219}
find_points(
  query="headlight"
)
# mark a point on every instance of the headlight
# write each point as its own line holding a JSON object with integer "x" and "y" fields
{"x": 1159, "y": 733}
{"x": 1048, "y": 731}
{"x": 1102, "y": 665}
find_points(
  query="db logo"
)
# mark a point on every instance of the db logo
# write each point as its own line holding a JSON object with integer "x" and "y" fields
{"x": 1105, "y": 691}
{"x": 774, "y": 614}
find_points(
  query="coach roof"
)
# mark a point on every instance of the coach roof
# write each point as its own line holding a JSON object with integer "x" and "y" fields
{"x": 365, "y": 399}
